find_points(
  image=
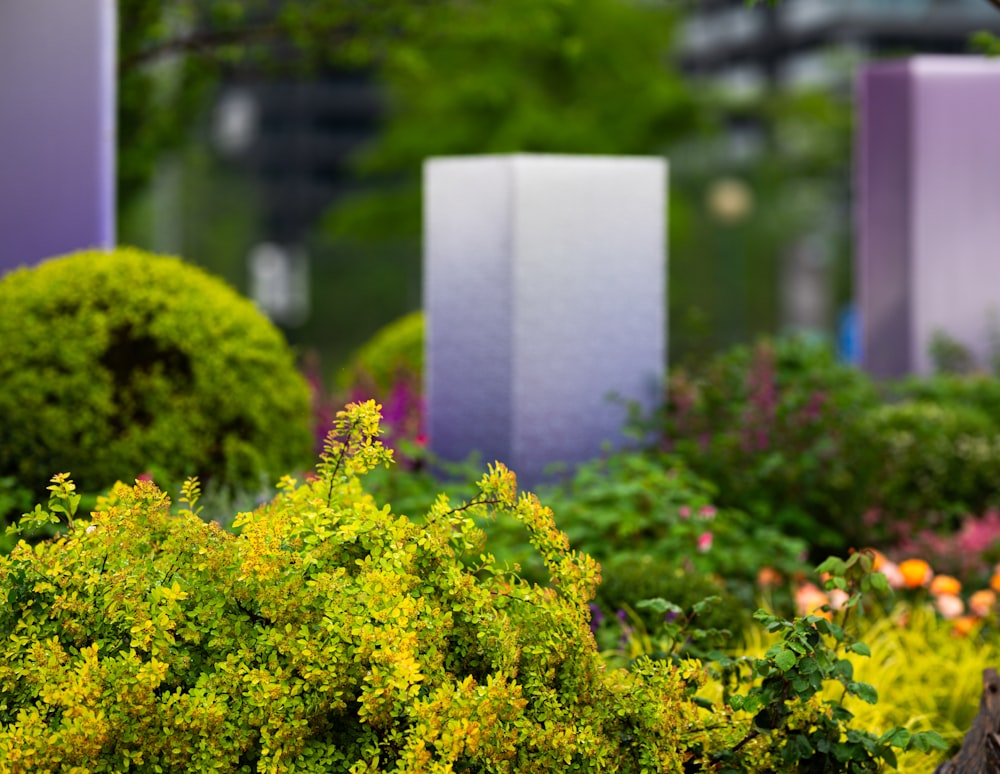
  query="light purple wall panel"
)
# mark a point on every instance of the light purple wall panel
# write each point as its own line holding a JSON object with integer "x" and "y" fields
{"x": 57, "y": 128}
{"x": 882, "y": 182}
{"x": 545, "y": 290}
{"x": 928, "y": 187}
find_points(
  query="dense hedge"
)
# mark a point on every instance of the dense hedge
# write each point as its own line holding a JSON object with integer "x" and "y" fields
{"x": 329, "y": 636}
{"x": 115, "y": 363}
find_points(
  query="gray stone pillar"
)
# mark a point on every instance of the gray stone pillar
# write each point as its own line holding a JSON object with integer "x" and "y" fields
{"x": 545, "y": 293}
{"x": 927, "y": 255}
{"x": 57, "y": 128}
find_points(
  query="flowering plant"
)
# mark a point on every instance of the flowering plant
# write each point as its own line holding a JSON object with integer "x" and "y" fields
{"x": 912, "y": 583}
{"x": 772, "y": 426}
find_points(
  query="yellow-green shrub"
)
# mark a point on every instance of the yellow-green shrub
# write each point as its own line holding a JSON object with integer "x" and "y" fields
{"x": 112, "y": 363}
{"x": 330, "y": 635}
{"x": 927, "y": 677}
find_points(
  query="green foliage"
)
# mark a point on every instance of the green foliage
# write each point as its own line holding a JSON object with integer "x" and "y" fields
{"x": 793, "y": 673}
{"x": 563, "y": 76}
{"x": 395, "y": 351}
{"x": 172, "y": 54}
{"x": 950, "y": 356}
{"x": 787, "y": 710}
{"x": 926, "y": 674}
{"x": 117, "y": 363}
{"x": 987, "y": 43}
{"x": 978, "y": 391}
{"x": 14, "y": 500}
{"x": 811, "y": 445}
{"x": 329, "y": 635}
{"x": 629, "y": 581}
{"x": 932, "y": 459}
{"x": 631, "y": 507}
{"x": 774, "y": 427}
{"x": 927, "y": 677}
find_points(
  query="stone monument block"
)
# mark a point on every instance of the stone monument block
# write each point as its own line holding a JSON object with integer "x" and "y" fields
{"x": 927, "y": 184}
{"x": 57, "y": 128}
{"x": 545, "y": 294}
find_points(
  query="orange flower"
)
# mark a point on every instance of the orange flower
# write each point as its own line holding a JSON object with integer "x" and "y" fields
{"x": 878, "y": 558}
{"x": 945, "y": 584}
{"x": 995, "y": 582}
{"x": 768, "y": 578}
{"x": 982, "y": 602}
{"x": 916, "y": 573}
{"x": 961, "y": 627}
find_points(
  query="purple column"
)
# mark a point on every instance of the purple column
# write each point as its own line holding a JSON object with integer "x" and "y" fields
{"x": 928, "y": 209}
{"x": 57, "y": 128}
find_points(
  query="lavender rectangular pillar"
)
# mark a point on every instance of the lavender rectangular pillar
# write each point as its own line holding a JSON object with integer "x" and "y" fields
{"x": 928, "y": 198}
{"x": 57, "y": 108}
{"x": 545, "y": 292}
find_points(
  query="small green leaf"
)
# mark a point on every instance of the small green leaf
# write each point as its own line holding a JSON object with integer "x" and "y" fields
{"x": 832, "y": 565}
{"x": 785, "y": 660}
{"x": 863, "y": 691}
{"x": 659, "y": 606}
{"x": 896, "y": 737}
{"x": 925, "y": 741}
{"x": 880, "y": 582}
{"x": 844, "y": 668}
{"x": 705, "y": 604}
{"x": 808, "y": 666}
{"x": 861, "y": 649}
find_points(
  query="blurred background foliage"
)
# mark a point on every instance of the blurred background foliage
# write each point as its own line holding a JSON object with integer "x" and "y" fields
{"x": 571, "y": 76}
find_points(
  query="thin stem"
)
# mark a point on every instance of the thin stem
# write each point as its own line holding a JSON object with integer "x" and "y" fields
{"x": 471, "y": 504}
{"x": 202, "y": 42}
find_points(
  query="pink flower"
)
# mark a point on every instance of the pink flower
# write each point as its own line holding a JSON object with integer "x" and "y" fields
{"x": 810, "y": 599}
{"x": 838, "y": 598}
{"x": 684, "y": 511}
{"x": 949, "y": 605}
{"x": 707, "y": 512}
{"x": 704, "y": 542}
{"x": 892, "y": 574}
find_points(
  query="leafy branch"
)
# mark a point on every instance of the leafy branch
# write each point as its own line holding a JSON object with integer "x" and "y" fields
{"x": 812, "y": 733}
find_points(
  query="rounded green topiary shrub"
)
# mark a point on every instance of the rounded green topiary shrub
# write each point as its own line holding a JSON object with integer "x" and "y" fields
{"x": 330, "y": 635}
{"x": 115, "y": 363}
{"x": 395, "y": 351}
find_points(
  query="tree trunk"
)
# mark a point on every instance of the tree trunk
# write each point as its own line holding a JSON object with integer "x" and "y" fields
{"x": 980, "y": 753}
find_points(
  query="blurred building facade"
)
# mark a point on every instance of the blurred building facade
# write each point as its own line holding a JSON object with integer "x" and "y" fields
{"x": 798, "y": 42}
{"x": 750, "y": 54}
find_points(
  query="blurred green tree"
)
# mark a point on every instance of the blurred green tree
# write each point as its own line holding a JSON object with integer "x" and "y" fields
{"x": 566, "y": 76}
{"x": 491, "y": 76}
{"x": 171, "y": 54}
